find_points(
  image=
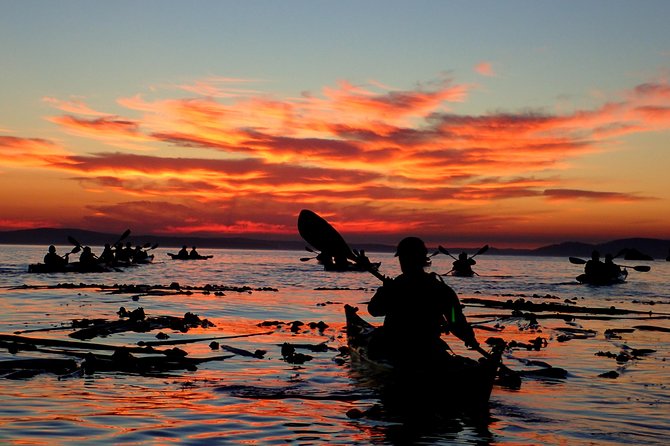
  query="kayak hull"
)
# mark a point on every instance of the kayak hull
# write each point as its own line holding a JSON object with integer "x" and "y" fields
{"x": 461, "y": 381}
{"x": 350, "y": 267}
{"x": 176, "y": 257}
{"x": 602, "y": 281}
{"x": 463, "y": 273}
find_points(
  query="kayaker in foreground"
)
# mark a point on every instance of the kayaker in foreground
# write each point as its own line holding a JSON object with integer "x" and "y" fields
{"x": 416, "y": 305}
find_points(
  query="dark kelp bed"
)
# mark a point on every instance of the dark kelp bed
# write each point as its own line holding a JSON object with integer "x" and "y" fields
{"x": 520, "y": 310}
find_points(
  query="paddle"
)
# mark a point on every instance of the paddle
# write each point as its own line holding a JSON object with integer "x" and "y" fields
{"x": 319, "y": 233}
{"x": 482, "y": 250}
{"x": 640, "y": 268}
{"x": 124, "y": 236}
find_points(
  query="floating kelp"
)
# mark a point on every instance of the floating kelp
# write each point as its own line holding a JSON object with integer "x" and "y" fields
{"x": 295, "y": 326}
{"x": 291, "y": 356}
{"x": 157, "y": 290}
{"x": 136, "y": 321}
{"x": 520, "y": 305}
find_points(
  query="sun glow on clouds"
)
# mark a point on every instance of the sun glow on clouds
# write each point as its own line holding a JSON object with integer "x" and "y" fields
{"x": 381, "y": 160}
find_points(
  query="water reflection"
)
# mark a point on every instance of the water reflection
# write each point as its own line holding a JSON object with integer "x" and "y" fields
{"x": 191, "y": 408}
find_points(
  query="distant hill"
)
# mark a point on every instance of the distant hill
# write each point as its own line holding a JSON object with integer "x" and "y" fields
{"x": 58, "y": 236}
{"x": 656, "y": 248}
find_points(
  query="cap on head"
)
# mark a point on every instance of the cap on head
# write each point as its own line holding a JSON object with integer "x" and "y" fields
{"x": 411, "y": 246}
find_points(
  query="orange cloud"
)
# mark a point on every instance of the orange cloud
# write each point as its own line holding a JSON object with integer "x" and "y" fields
{"x": 485, "y": 69}
{"x": 30, "y": 152}
{"x": 360, "y": 152}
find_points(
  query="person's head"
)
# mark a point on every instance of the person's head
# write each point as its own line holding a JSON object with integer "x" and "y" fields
{"x": 595, "y": 255}
{"x": 87, "y": 249}
{"x": 107, "y": 246}
{"x": 193, "y": 247}
{"x": 463, "y": 256}
{"x": 183, "y": 247}
{"x": 412, "y": 254}
{"x": 52, "y": 249}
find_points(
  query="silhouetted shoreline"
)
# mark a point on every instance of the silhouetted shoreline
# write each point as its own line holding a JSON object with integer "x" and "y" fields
{"x": 657, "y": 248}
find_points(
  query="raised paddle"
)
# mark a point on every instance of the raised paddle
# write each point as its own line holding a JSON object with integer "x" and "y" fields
{"x": 482, "y": 250}
{"x": 640, "y": 268}
{"x": 319, "y": 233}
{"x": 124, "y": 236}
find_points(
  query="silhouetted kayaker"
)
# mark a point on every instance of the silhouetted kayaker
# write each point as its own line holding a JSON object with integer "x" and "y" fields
{"x": 183, "y": 253}
{"x": 87, "y": 258}
{"x": 107, "y": 255}
{"x": 193, "y": 254}
{"x": 416, "y": 305}
{"x": 610, "y": 269}
{"x": 53, "y": 259}
{"x": 463, "y": 265}
{"x": 594, "y": 267}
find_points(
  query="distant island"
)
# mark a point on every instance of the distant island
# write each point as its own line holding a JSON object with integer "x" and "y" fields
{"x": 656, "y": 248}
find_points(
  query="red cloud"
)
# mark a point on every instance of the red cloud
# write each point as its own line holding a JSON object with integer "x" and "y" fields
{"x": 569, "y": 194}
{"x": 371, "y": 148}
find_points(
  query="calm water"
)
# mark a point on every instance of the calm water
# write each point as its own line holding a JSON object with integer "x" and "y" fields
{"x": 238, "y": 401}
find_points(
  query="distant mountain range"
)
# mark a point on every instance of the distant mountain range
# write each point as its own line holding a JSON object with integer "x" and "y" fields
{"x": 656, "y": 248}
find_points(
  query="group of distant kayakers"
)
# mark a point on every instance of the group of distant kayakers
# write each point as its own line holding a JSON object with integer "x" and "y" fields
{"x": 111, "y": 255}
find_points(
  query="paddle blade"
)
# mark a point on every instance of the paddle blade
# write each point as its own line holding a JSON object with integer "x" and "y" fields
{"x": 443, "y": 250}
{"x": 123, "y": 236}
{"x": 642, "y": 268}
{"x": 321, "y": 235}
{"x": 577, "y": 260}
{"x": 73, "y": 240}
{"x": 482, "y": 250}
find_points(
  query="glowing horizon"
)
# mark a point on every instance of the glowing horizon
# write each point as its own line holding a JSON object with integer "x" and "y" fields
{"x": 229, "y": 155}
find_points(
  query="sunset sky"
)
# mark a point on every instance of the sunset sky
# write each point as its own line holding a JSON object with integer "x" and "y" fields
{"x": 516, "y": 124}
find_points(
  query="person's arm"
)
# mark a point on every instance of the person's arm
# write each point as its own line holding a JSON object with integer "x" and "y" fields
{"x": 456, "y": 321}
{"x": 377, "y": 305}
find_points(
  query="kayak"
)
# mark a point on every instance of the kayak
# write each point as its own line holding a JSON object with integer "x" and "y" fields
{"x": 148, "y": 259}
{"x": 73, "y": 267}
{"x": 459, "y": 381}
{"x": 462, "y": 273}
{"x": 602, "y": 280}
{"x": 176, "y": 257}
{"x": 349, "y": 267}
